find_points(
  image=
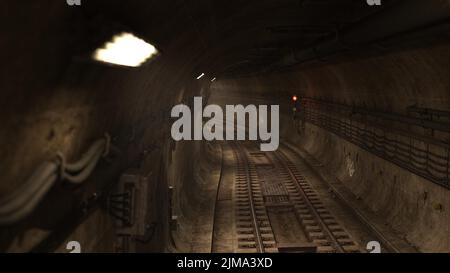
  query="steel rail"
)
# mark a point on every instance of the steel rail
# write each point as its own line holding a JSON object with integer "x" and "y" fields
{"x": 242, "y": 161}
{"x": 284, "y": 162}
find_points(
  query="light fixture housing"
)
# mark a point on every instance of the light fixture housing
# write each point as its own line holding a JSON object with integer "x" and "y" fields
{"x": 125, "y": 49}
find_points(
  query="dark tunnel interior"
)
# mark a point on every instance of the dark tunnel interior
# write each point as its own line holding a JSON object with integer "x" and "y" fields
{"x": 357, "y": 100}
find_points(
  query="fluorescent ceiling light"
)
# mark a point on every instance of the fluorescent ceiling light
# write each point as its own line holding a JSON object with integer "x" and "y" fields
{"x": 125, "y": 49}
{"x": 201, "y": 76}
{"x": 213, "y": 79}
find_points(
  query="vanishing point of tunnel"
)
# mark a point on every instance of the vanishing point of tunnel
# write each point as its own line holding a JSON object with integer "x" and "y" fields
{"x": 225, "y": 126}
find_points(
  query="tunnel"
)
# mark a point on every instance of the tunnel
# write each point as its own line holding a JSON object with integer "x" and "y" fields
{"x": 256, "y": 126}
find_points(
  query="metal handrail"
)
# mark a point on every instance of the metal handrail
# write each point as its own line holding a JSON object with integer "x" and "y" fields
{"x": 400, "y": 148}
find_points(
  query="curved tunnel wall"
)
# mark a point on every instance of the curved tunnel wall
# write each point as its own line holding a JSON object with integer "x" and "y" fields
{"x": 387, "y": 83}
{"x": 66, "y": 102}
{"x": 194, "y": 175}
{"x": 55, "y": 99}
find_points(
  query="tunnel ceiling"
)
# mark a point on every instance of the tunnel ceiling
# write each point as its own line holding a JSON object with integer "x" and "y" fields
{"x": 234, "y": 38}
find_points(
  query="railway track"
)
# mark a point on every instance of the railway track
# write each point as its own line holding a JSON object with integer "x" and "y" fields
{"x": 254, "y": 233}
{"x": 276, "y": 210}
{"x": 321, "y": 227}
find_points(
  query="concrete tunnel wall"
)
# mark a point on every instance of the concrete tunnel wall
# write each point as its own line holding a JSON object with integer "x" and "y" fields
{"x": 55, "y": 102}
{"x": 55, "y": 99}
{"x": 387, "y": 83}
